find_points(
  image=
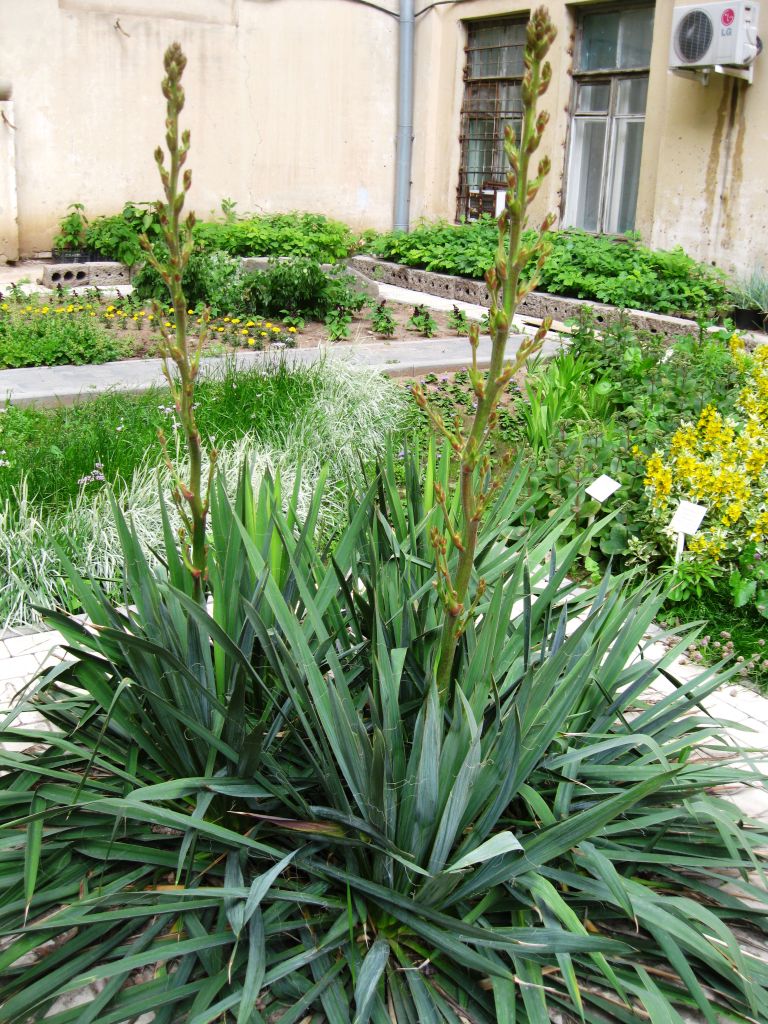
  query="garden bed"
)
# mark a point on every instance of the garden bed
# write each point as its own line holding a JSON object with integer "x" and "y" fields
{"x": 537, "y": 304}
{"x": 613, "y": 403}
{"x": 64, "y": 329}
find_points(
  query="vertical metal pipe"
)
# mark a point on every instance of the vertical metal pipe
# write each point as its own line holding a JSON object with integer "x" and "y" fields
{"x": 404, "y": 147}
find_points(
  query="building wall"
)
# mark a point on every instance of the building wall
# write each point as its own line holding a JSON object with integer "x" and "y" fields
{"x": 293, "y": 105}
{"x": 9, "y": 227}
{"x": 703, "y": 181}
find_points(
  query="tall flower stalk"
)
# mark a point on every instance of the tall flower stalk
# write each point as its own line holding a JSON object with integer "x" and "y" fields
{"x": 192, "y": 497}
{"x": 478, "y": 480}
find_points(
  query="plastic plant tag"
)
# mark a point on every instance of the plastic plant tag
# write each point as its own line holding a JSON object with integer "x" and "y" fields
{"x": 687, "y": 518}
{"x": 603, "y": 488}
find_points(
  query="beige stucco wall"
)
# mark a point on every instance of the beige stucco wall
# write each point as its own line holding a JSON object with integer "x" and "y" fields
{"x": 9, "y": 228}
{"x": 293, "y": 105}
{"x": 704, "y": 177}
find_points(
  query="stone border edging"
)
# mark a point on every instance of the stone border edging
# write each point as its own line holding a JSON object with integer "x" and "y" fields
{"x": 109, "y": 274}
{"x": 369, "y": 271}
{"x": 537, "y": 304}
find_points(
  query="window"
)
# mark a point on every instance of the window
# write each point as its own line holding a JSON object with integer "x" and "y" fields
{"x": 609, "y": 95}
{"x": 493, "y": 75}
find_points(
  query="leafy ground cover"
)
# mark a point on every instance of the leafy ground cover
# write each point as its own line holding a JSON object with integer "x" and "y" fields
{"x": 39, "y": 334}
{"x": 309, "y": 235}
{"x": 618, "y": 271}
{"x": 291, "y": 304}
{"x": 621, "y": 272}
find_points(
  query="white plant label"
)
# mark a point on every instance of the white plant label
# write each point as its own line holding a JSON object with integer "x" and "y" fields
{"x": 687, "y": 518}
{"x": 603, "y": 488}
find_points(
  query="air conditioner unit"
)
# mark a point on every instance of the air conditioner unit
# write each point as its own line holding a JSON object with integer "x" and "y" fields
{"x": 714, "y": 35}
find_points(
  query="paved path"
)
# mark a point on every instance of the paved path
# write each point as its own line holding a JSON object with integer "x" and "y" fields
{"x": 64, "y": 384}
{"x": 53, "y": 385}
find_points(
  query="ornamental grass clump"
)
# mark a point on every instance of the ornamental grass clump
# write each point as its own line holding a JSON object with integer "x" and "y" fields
{"x": 357, "y": 787}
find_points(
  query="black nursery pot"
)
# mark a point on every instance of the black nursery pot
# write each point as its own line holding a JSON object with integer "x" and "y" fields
{"x": 749, "y": 319}
{"x": 76, "y": 256}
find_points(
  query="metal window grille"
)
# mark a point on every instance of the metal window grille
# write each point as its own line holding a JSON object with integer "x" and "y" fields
{"x": 493, "y": 74}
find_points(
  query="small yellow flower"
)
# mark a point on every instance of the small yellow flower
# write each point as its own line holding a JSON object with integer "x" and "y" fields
{"x": 275, "y": 330}
{"x": 243, "y": 331}
{"x": 167, "y": 323}
{"x": 291, "y": 330}
{"x": 263, "y": 334}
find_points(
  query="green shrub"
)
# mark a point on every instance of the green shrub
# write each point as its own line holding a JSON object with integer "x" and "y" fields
{"x": 297, "y": 284}
{"x": 625, "y": 273}
{"x": 656, "y": 384}
{"x": 465, "y": 249}
{"x": 382, "y": 319}
{"x": 39, "y": 336}
{"x": 423, "y": 322}
{"x": 279, "y": 234}
{"x": 72, "y": 228}
{"x": 620, "y": 272}
{"x": 300, "y": 285}
{"x": 117, "y": 237}
{"x": 211, "y": 279}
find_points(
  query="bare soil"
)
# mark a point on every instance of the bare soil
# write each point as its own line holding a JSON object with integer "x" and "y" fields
{"x": 361, "y": 332}
{"x": 145, "y": 341}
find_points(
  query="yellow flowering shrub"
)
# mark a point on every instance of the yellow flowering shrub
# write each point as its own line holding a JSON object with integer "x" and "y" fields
{"x": 721, "y": 462}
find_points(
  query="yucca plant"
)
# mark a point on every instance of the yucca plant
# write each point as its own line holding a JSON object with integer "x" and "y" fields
{"x": 262, "y": 812}
{"x": 278, "y": 805}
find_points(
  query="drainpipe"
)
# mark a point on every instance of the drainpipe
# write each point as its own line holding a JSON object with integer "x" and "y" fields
{"x": 404, "y": 117}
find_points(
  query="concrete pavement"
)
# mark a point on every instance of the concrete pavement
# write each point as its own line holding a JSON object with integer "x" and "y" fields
{"x": 62, "y": 385}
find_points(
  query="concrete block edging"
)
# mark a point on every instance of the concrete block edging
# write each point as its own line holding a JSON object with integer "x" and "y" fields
{"x": 537, "y": 304}
{"x": 370, "y": 271}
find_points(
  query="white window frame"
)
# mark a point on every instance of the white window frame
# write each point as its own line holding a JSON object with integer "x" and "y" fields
{"x": 610, "y": 198}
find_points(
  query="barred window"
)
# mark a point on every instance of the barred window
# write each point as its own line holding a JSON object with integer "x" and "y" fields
{"x": 493, "y": 74}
